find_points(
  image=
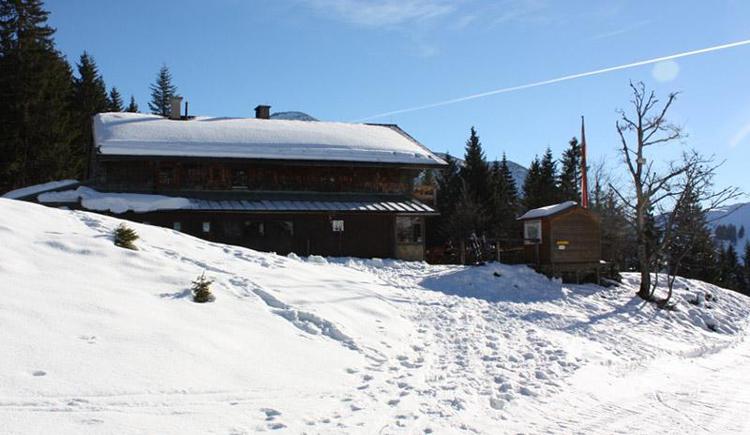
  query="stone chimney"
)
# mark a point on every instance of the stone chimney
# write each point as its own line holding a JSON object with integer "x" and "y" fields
{"x": 176, "y": 104}
{"x": 263, "y": 112}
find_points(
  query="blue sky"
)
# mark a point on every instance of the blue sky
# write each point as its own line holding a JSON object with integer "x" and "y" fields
{"x": 348, "y": 59}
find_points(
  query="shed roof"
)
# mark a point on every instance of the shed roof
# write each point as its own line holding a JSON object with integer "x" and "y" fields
{"x": 138, "y": 134}
{"x": 546, "y": 211}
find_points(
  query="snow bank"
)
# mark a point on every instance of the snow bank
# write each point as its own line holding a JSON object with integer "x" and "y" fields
{"x": 115, "y": 202}
{"x": 107, "y": 340}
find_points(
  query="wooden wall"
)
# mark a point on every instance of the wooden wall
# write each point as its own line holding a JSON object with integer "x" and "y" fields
{"x": 580, "y": 229}
{"x": 166, "y": 175}
{"x": 364, "y": 235}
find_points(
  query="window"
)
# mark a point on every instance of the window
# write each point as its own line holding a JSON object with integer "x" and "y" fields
{"x": 408, "y": 229}
{"x": 206, "y": 227}
{"x": 532, "y": 232}
{"x": 177, "y": 226}
{"x": 166, "y": 176}
{"x": 232, "y": 229}
{"x": 254, "y": 229}
{"x": 239, "y": 179}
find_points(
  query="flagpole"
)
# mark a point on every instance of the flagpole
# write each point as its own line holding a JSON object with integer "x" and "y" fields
{"x": 584, "y": 177}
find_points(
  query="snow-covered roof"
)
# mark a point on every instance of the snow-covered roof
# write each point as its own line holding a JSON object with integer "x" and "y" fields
{"x": 137, "y": 134}
{"x": 39, "y": 188}
{"x": 92, "y": 199}
{"x": 548, "y": 210}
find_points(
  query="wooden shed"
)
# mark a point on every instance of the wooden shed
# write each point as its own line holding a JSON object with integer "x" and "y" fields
{"x": 563, "y": 240}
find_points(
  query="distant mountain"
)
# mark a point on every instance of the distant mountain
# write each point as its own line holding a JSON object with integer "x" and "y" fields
{"x": 293, "y": 116}
{"x": 737, "y": 215}
{"x": 518, "y": 171}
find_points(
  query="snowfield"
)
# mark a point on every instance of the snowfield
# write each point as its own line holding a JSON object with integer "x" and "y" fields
{"x": 99, "y": 339}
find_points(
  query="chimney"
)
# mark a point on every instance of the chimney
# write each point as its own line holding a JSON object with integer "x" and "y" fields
{"x": 263, "y": 112}
{"x": 176, "y": 105}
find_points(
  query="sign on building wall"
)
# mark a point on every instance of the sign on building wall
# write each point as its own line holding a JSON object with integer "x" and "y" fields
{"x": 337, "y": 225}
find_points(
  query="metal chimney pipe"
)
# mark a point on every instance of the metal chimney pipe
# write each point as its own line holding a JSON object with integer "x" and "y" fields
{"x": 176, "y": 105}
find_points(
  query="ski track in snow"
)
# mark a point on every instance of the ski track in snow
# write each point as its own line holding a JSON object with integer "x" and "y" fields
{"x": 422, "y": 349}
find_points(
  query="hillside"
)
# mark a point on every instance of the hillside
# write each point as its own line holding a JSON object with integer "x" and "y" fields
{"x": 99, "y": 339}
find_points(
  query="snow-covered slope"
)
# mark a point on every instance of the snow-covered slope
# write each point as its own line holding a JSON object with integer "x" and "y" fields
{"x": 99, "y": 339}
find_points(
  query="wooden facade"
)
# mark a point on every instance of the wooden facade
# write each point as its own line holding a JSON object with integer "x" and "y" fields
{"x": 366, "y": 235}
{"x": 364, "y": 207}
{"x": 157, "y": 175}
{"x": 565, "y": 244}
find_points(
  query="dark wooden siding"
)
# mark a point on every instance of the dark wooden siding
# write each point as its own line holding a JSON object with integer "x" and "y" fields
{"x": 171, "y": 175}
{"x": 364, "y": 235}
{"x": 580, "y": 229}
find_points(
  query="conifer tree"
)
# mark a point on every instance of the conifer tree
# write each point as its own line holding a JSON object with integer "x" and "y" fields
{"x": 505, "y": 203}
{"x": 448, "y": 194}
{"x": 729, "y": 269}
{"x": 741, "y": 232}
{"x": 162, "y": 92}
{"x": 570, "y": 173}
{"x": 692, "y": 253}
{"x": 125, "y": 237}
{"x": 746, "y": 268}
{"x": 532, "y": 189}
{"x": 115, "y": 100}
{"x": 468, "y": 216}
{"x": 548, "y": 179}
{"x": 35, "y": 91}
{"x": 476, "y": 172}
{"x": 540, "y": 186}
{"x": 133, "y": 106}
{"x": 201, "y": 289}
{"x": 89, "y": 98}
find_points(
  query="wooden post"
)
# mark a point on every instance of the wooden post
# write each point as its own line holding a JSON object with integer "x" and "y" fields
{"x": 462, "y": 250}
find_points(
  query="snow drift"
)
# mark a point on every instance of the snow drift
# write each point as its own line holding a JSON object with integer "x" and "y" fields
{"x": 100, "y": 339}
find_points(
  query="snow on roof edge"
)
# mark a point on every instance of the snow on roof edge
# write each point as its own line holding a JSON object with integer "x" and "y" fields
{"x": 546, "y": 211}
{"x": 35, "y": 189}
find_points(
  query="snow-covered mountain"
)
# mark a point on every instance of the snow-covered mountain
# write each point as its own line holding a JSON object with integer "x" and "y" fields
{"x": 737, "y": 215}
{"x": 518, "y": 171}
{"x": 293, "y": 116}
{"x": 100, "y": 339}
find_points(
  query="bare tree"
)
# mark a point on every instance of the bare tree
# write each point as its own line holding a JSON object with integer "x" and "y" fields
{"x": 656, "y": 192}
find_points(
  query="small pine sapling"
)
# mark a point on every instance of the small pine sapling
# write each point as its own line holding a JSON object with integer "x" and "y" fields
{"x": 125, "y": 236}
{"x": 202, "y": 289}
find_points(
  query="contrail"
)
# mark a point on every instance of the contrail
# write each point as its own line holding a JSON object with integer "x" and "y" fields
{"x": 559, "y": 79}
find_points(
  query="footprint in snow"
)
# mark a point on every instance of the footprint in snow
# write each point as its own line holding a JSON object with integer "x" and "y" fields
{"x": 39, "y": 373}
{"x": 270, "y": 413}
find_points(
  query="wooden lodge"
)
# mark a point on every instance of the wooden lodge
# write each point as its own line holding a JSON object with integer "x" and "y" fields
{"x": 563, "y": 240}
{"x": 308, "y": 187}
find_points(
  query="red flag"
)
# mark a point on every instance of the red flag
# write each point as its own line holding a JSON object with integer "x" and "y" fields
{"x": 584, "y": 178}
